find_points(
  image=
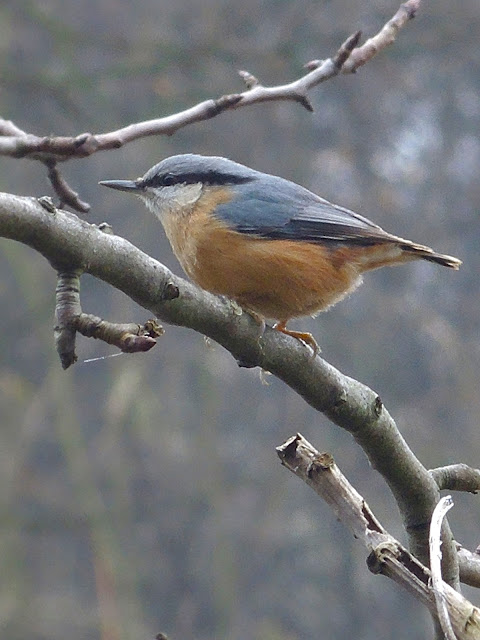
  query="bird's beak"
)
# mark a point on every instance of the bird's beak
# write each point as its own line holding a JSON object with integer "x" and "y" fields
{"x": 121, "y": 185}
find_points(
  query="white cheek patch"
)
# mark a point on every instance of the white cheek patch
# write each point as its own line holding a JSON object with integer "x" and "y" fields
{"x": 188, "y": 194}
{"x": 179, "y": 198}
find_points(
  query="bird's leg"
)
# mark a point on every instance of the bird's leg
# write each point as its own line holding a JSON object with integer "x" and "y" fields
{"x": 238, "y": 310}
{"x": 304, "y": 337}
{"x": 260, "y": 320}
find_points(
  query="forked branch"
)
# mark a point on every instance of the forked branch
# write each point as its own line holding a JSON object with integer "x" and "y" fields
{"x": 386, "y": 555}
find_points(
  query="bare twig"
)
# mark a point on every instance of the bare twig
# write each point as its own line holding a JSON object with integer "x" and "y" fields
{"x": 69, "y": 318}
{"x": 8, "y": 128}
{"x": 469, "y": 563}
{"x": 438, "y": 586}
{"x": 67, "y": 307}
{"x": 21, "y": 145}
{"x": 51, "y": 150}
{"x": 457, "y": 477}
{"x": 384, "y": 38}
{"x": 63, "y": 190}
{"x": 386, "y": 555}
{"x": 298, "y": 90}
{"x": 129, "y": 338}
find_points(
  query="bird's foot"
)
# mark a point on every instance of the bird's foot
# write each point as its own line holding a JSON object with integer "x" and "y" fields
{"x": 304, "y": 337}
{"x": 238, "y": 310}
{"x": 260, "y": 320}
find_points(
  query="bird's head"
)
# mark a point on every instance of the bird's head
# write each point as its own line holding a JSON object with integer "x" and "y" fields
{"x": 177, "y": 183}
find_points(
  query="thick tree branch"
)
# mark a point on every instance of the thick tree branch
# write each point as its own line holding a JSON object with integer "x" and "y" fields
{"x": 51, "y": 150}
{"x": 71, "y": 244}
{"x": 386, "y": 555}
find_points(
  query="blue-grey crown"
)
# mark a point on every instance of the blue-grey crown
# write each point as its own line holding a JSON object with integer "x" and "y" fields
{"x": 191, "y": 168}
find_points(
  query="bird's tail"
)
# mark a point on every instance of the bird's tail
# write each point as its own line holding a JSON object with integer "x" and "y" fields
{"x": 425, "y": 253}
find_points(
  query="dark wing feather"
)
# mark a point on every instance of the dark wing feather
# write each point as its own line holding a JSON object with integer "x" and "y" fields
{"x": 275, "y": 208}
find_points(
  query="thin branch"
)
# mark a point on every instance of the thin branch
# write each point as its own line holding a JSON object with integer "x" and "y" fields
{"x": 50, "y": 150}
{"x": 469, "y": 563}
{"x": 297, "y": 90}
{"x": 386, "y": 555}
{"x": 61, "y": 148}
{"x": 8, "y": 128}
{"x": 63, "y": 190}
{"x": 129, "y": 338}
{"x": 70, "y": 243}
{"x": 457, "y": 477}
{"x": 384, "y": 38}
{"x": 67, "y": 306}
{"x": 374, "y": 45}
{"x": 69, "y": 319}
{"x": 438, "y": 586}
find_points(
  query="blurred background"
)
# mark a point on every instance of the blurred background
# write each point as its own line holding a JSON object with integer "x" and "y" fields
{"x": 132, "y": 500}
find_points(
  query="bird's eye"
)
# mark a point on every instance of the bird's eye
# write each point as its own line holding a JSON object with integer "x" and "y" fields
{"x": 168, "y": 180}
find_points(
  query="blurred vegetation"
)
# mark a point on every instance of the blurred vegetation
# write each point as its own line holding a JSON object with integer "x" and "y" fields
{"x": 143, "y": 493}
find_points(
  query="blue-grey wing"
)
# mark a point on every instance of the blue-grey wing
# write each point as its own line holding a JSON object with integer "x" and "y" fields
{"x": 278, "y": 209}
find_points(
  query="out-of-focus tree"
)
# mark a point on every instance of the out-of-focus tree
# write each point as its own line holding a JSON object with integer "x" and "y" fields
{"x": 100, "y": 535}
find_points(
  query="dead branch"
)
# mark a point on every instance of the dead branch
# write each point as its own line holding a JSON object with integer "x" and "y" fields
{"x": 437, "y": 584}
{"x": 386, "y": 555}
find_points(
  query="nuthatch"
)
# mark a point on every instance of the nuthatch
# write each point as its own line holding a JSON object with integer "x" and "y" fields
{"x": 277, "y": 249}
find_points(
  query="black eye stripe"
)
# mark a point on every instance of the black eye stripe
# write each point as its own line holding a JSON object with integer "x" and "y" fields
{"x": 168, "y": 180}
{"x": 209, "y": 177}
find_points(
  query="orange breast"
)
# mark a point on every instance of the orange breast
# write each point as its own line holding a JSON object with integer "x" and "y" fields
{"x": 279, "y": 279}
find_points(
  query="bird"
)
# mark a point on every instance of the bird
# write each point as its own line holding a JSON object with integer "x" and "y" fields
{"x": 276, "y": 249}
